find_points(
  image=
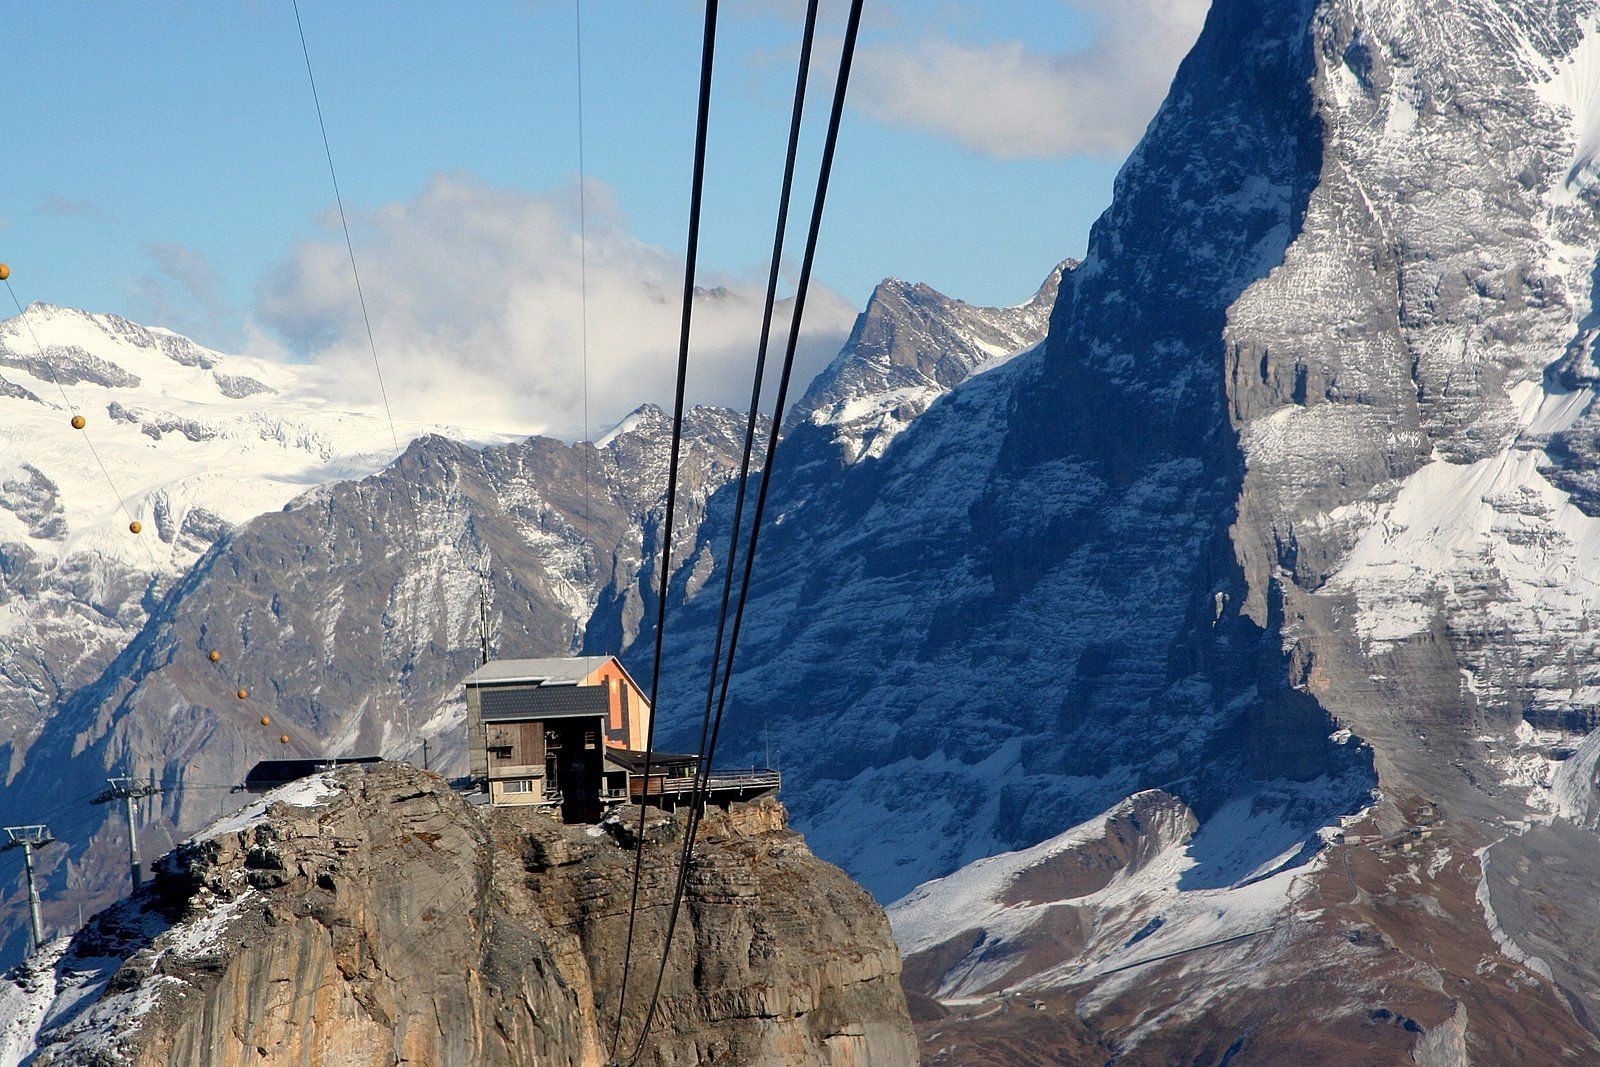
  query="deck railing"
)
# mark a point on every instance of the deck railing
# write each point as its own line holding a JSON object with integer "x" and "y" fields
{"x": 748, "y": 779}
{"x": 753, "y": 778}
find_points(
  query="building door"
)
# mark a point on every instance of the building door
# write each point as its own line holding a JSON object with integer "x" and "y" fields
{"x": 578, "y": 768}
{"x": 575, "y": 807}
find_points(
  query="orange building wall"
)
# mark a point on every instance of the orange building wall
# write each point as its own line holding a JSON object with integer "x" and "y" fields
{"x": 611, "y": 675}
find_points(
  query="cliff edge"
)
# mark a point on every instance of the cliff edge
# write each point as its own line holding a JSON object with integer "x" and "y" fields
{"x": 371, "y": 916}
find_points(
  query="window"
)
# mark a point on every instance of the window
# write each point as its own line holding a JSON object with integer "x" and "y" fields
{"x": 500, "y": 751}
{"x": 591, "y": 739}
{"x": 518, "y": 785}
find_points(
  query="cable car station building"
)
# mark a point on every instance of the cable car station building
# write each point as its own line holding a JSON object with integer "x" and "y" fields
{"x": 569, "y": 734}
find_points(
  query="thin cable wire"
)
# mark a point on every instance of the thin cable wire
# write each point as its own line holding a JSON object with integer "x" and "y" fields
{"x": 701, "y": 786}
{"x": 250, "y": 705}
{"x": 349, "y": 245}
{"x": 841, "y": 86}
{"x": 583, "y": 254}
{"x": 707, "y": 60}
{"x": 73, "y": 409}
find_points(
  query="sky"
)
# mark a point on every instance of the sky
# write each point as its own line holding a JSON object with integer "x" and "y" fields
{"x": 163, "y": 162}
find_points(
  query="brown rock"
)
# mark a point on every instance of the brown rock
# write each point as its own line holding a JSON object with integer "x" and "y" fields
{"x": 391, "y": 922}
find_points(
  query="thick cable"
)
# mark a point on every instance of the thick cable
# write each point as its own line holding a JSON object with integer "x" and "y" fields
{"x": 700, "y": 789}
{"x": 802, "y": 286}
{"x": 707, "y": 60}
{"x": 841, "y": 86}
{"x": 583, "y": 254}
{"x": 349, "y": 245}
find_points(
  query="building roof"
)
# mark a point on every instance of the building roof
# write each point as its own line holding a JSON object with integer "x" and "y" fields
{"x": 514, "y": 703}
{"x": 659, "y": 761}
{"x": 271, "y": 772}
{"x": 562, "y": 670}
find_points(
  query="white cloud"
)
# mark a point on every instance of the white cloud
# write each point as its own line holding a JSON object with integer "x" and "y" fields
{"x": 1013, "y": 102}
{"x": 474, "y": 296}
{"x": 65, "y": 207}
{"x": 184, "y": 291}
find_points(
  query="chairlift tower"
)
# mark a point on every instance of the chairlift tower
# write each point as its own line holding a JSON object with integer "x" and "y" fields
{"x": 29, "y": 838}
{"x": 130, "y": 790}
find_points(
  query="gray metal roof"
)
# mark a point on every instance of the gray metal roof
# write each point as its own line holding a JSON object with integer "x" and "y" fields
{"x": 568, "y": 670}
{"x": 659, "y": 761}
{"x": 516, "y": 702}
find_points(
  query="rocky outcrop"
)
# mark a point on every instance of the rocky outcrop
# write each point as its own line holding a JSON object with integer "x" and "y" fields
{"x": 370, "y": 916}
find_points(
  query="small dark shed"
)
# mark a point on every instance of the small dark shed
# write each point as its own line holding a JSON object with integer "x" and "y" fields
{"x": 271, "y": 773}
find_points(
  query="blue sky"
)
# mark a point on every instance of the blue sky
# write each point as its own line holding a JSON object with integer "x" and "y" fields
{"x": 163, "y": 160}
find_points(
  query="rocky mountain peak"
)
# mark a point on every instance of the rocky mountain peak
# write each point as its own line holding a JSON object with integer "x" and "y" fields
{"x": 910, "y": 346}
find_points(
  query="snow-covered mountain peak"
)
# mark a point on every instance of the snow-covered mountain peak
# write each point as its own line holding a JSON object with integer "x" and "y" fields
{"x": 192, "y": 440}
{"x": 101, "y": 349}
{"x": 652, "y": 420}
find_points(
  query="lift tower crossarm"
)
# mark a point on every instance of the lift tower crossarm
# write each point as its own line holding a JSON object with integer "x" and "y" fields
{"x": 29, "y": 838}
{"x": 129, "y": 790}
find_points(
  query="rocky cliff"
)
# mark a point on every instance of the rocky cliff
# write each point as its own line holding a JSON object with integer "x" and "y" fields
{"x": 370, "y": 916}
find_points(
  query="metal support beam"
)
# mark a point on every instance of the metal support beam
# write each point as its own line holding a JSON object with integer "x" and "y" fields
{"x": 129, "y": 790}
{"x": 29, "y": 838}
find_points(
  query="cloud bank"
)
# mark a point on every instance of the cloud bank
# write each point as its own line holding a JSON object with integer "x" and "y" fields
{"x": 183, "y": 291}
{"x": 474, "y": 294}
{"x": 1012, "y": 102}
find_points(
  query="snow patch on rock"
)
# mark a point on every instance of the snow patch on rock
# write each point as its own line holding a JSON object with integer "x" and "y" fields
{"x": 305, "y": 793}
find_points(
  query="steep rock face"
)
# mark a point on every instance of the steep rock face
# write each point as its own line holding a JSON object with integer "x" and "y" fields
{"x": 350, "y": 618}
{"x": 1422, "y": 499}
{"x": 371, "y": 917}
{"x": 1308, "y": 447}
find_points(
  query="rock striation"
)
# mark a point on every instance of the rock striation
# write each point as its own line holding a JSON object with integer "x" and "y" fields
{"x": 370, "y": 916}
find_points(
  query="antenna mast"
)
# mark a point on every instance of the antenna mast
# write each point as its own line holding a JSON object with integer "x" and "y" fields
{"x": 483, "y": 615}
